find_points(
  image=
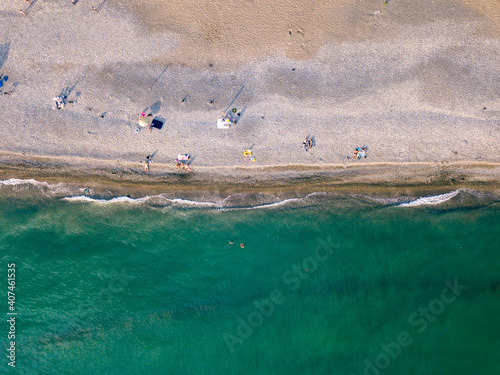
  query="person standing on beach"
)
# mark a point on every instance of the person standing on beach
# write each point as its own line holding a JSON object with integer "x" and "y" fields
{"x": 148, "y": 161}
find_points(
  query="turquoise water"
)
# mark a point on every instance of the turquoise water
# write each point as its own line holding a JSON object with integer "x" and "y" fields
{"x": 137, "y": 288}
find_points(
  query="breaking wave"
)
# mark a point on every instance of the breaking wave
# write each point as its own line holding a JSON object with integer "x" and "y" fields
{"x": 30, "y": 188}
{"x": 17, "y": 181}
{"x": 161, "y": 200}
{"x": 431, "y": 200}
{"x": 16, "y": 185}
{"x": 155, "y": 199}
{"x": 455, "y": 198}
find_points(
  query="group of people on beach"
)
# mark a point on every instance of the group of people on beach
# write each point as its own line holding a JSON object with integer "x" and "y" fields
{"x": 61, "y": 101}
{"x": 149, "y": 160}
{"x": 307, "y": 143}
{"x": 359, "y": 152}
{"x": 232, "y": 116}
{"x": 183, "y": 161}
{"x": 248, "y": 153}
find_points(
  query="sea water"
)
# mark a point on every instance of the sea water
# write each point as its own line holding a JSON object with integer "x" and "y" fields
{"x": 326, "y": 284}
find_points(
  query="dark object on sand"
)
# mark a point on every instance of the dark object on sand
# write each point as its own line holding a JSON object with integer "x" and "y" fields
{"x": 157, "y": 124}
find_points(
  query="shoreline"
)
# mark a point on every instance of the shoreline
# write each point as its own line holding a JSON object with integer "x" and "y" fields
{"x": 107, "y": 178}
{"x": 414, "y": 82}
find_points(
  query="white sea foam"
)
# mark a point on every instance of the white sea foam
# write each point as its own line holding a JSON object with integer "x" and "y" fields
{"x": 82, "y": 198}
{"x": 161, "y": 199}
{"x": 146, "y": 199}
{"x": 44, "y": 187}
{"x": 279, "y": 203}
{"x": 384, "y": 201}
{"x": 17, "y": 181}
{"x": 274, "y": 204}
{"x": 432, "y": 200}
{"x": 188, "y": 202}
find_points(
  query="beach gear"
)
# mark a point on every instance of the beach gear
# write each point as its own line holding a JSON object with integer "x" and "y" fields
{"x": 145, "y": 121}
{"x": 60, "y": 102}
{"x": 247, "y": 153}
{"x": 360, "y": 152}
{"x": 157, "y": 124}
{"x": 223, "y": 123}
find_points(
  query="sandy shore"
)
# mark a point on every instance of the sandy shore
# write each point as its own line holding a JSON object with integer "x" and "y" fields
{"x": 257, "y": 184}
{"x": 416, "y": 82}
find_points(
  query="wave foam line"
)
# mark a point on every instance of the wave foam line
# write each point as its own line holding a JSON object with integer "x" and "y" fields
{"x": 267, "y": 205}
{"x": 43, "y": 187}
{"x": 124, "y": 199}
{"x": 280, "y": 203}
{"x": 432, "y": 200}
{"x": 187, "y": 202}
{"x": 17, "y": 181}
{"x": 82, "y": 198}
{"x": 180, "y": 201}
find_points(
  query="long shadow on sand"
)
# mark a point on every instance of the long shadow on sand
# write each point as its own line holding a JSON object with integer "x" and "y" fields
{"x": 4, "y": 53}
{"x": 32, "y": 4}
{"x": 157, "y": 79}
{"x": 238, "y": 94}
{"x": 99, "y": 7}
{"x": 155, "y": 108}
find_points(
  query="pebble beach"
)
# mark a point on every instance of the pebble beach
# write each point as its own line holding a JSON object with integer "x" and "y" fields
{"x": 417, "y": 84}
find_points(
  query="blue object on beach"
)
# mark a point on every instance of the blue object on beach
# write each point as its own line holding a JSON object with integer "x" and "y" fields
{"x": 5, "y": 78}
